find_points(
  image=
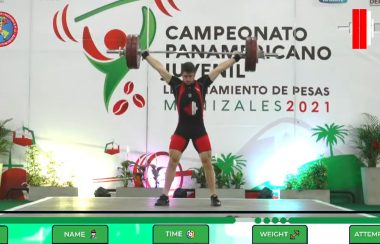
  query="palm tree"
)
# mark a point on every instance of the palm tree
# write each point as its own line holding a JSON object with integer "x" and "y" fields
{"x": 367, "y": 139}
{"x": 228, "y": 165}
{"x": 330, "y": 133}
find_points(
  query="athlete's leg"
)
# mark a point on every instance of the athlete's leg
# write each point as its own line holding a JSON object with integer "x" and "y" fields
{"x": 174, "y": 157}
{"x": 177, "y": 145}
{"x": 209, "y": 171}
{"x": 203, "y": 146}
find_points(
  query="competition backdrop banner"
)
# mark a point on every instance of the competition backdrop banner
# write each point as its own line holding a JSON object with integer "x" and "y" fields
{"x": 295, "y": 110}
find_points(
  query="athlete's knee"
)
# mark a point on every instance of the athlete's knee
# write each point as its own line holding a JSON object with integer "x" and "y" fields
{"x": 206, "y": 158}
{"x": 207, "y": 163}
{"x": 174, "y": 157}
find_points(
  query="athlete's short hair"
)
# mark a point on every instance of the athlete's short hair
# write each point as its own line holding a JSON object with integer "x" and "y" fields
{"x": 188, "y": 67}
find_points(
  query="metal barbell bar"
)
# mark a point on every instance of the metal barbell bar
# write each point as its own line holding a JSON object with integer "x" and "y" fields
{"x": 121, "y": 52}
{"x": 132, "y": 53}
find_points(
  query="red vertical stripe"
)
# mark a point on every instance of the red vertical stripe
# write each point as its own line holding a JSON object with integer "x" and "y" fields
{"x": 180, "y": 92}
{"x": 363, "y": 29}
{"x": 355, "y": 29}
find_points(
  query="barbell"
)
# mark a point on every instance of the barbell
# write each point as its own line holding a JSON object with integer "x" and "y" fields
{"x": 132, "y": 53}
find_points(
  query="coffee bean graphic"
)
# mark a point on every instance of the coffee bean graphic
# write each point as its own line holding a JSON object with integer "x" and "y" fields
{"x": 139, "y": 100}
{"x": 120, "y": 107}
{"x": 128, "y": 88}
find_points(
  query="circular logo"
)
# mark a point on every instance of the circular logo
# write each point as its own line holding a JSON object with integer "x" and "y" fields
{"x": 190, "y": 234}
{"x": 8, "y": 29}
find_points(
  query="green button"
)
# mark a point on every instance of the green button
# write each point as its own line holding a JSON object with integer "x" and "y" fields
{"x": 283, "y": 234}
{"x": 3, "y": 235}
{"x": 71, "y": 234}
{"x": 364, "y": 234}
{"x": 180, "y": 234}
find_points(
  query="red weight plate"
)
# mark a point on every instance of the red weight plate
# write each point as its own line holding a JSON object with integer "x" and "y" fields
{"x": 132, "y": 52}
{"x": 251, "y": 58}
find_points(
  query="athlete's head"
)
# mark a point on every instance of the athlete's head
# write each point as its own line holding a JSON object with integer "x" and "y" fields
{"x": 188, "y": 73}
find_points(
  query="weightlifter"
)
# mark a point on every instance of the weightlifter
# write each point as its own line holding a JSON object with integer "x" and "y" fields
{"x": 190, "y": 95}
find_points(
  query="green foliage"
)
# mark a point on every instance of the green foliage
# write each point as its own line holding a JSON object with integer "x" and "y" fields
{"x": 226, "y": 168}
{"x": 238, "y": 180}
{"x": 367, "y": 138}
{"x": 220, "y": 180}
{"x": 52, "y": 177}
{"x": 330, "y": 133}
{"x": 35, "y": 174}
{"x": 199, "y": 175}
{"x": 124, "y": 173}
{"x": 228, "y": 164}
{"x": 291, "y": 182}
{"x": 228, "y": 172}
{"x": 127, "y": 176}
{"x": 314, "y": 177}
{"x": 5, "y": 138}
{"x": 68, "y": 183}
{"x": 33, "y": 167}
